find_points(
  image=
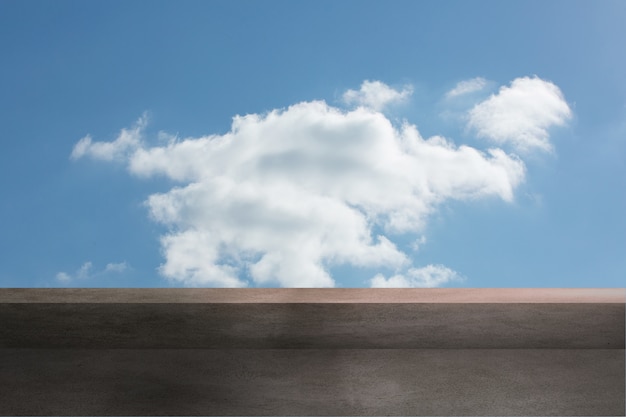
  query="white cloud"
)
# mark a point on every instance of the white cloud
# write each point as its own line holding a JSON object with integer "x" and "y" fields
{"x": 127, "y": 142}
{"x": 467, "y": 87}
{"x": 418, "y": 243}
{"x": 81, "y": 273}
{"x": 116, "y": 267}
{"x": 428, "y": 277}
{"x": 520, "y": 115}
{"x": 63, "y": 277}
{"x": 284, "y": 196}
{"x": 86, "y": 272}
{"x": 376, "y": 95}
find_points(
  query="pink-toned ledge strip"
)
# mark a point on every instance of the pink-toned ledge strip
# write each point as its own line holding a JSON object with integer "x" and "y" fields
{"x": 312, "y": 295}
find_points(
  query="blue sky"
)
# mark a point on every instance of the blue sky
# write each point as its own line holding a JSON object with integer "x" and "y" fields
{"x": 346, "y": 144}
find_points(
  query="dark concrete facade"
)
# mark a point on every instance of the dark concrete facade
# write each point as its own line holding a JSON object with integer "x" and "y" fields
{"x": 333, "y": 352}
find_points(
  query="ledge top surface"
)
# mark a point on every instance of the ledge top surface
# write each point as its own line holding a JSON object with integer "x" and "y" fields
{"x": 312, "y": 295}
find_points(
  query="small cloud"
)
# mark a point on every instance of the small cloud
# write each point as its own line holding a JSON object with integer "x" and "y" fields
{"x": 376, "y": 95}
{"x": 118, "y": 267}
{"x": 86, "y": 272}
{"x": 430, "y": 276}
{"x": 520, "y": 115}
{"x": 467, "y": 86}
{"x": 81, "y": 148}
{"x": 63, "y": 277}
{"x": 418, "y": 243}
{"x": 127, "y": 142}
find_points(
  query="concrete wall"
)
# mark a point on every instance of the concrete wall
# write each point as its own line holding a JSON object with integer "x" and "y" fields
{"x": 334, "y": 352}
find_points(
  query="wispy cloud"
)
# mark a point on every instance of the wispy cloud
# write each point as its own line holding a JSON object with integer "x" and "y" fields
{"x": 116, "y": 267}
{"x": 126, "y": 143}
{"x": 467, "y": 86}
{"x": 426, "y": 277}
{"x": 86, "y": 272}
{"x": 63, "y": 277}
{"x": 286, "y": 195}
{"x": 376, "y": 95}
{"x": 521, "y": 114}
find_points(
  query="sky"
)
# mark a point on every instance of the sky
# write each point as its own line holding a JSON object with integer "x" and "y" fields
{"x": 312, "y": 144}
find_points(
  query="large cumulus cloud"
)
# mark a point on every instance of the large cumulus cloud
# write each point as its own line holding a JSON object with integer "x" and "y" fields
{"x": 285, "y": 195}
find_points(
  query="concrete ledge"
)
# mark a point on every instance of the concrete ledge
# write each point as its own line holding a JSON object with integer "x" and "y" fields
{"x": 322, "y": 382}
{"x": 331, "y": 352}
{"x": 313, "y": 326}
{"x": 313, "y": 295}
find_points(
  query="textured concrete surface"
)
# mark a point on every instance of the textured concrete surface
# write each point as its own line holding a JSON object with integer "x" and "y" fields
{"x": 299, "y": 325}
{"x": 323, "y": 382}
{"x": 330, "y": 352}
